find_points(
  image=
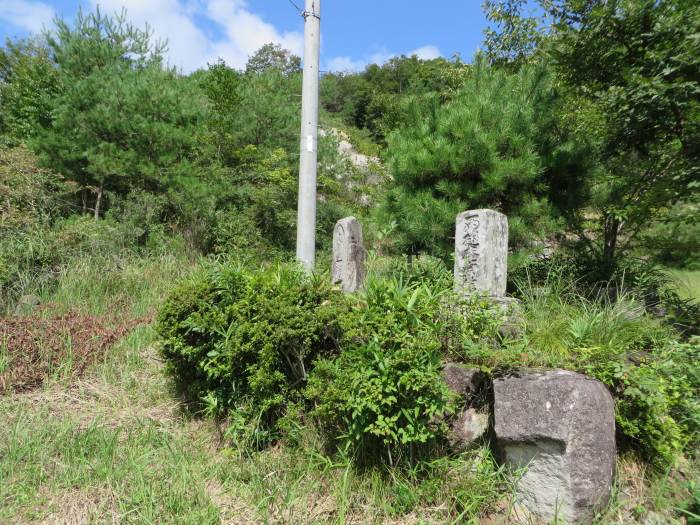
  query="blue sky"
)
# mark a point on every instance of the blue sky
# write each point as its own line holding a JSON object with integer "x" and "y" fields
{"x": 354, "y": 32}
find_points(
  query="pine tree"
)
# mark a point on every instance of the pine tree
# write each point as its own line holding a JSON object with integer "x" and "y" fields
{"x": 487, "y": 147}
{"x": 121, "y": 121}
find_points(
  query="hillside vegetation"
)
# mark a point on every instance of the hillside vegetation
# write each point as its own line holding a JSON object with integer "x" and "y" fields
{"x": 164, "y": 360}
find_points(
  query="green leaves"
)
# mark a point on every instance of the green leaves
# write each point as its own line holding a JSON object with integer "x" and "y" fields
{"x": 112, "y": 118}
{"x": 28, "y": 80}
{"x": 657, "y": 400}
{"x": 248, "y": 339}
{"x": 634, "y": 64}
{"x": 384, "y": 392}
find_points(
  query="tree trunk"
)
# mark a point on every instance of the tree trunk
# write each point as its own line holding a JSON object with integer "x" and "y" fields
{"x": 610, "y": 234}
{"x": 98, "y": 200}
{"x": 83, "y": 196}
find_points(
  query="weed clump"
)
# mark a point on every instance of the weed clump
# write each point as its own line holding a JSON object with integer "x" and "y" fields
{"x": 383, "y": 396}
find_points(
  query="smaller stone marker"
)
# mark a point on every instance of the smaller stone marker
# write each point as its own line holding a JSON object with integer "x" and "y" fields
{"x": 348, "y": 268}
{"x": 481, "y": 252}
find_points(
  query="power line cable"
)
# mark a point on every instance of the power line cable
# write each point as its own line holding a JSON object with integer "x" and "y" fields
{"x": 299, "y": 10}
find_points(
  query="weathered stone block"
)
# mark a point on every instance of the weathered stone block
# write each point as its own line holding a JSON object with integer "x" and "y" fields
{"x": 26, "y": 304}
{"x": 560, "y": 427}
{"x": 481, "y": 252}
{"x": 348, "y": 268}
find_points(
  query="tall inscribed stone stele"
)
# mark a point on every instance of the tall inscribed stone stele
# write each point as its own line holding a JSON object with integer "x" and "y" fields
{"x": 481, "y": 252}
{"x": 348, "y": 268}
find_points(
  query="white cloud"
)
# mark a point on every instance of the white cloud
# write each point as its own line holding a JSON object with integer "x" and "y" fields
{"x": 169, "y": 20}
{"x": 241, "y": 32}
{"x": 189, "y": 47}
{"x": 345, "y": 64}
{"x": 246, "y": 32}
{"x": 26, "y": 15}
{"x": 426, "y": 53}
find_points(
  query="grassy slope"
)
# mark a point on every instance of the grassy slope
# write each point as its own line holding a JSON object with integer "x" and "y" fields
{"x": 688, "y": 283}
{"x": 116, "y": 446}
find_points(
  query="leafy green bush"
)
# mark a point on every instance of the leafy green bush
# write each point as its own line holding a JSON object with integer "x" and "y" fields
{"x": 653, "y": 376}
{"x": 31, "y": 196}
{"x": 139, "y": 217}
{"x": 383, "y": 397}
{"x": 658, "y": 398}
{"x": 674, "y": 240}
{"x": 257, "y": 346}
{"x": 243, "y": 342}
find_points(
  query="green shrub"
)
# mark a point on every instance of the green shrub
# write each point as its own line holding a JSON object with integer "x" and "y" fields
{"x": 244, "y": 342}
{"x": 653, "y": 377}
{"x": 675, "y": 239}
{"x": 139, "y": 217}
{"x": 31, "y": 196}
{"x": 658, "y": 399}
{"x": 383, "y": 397}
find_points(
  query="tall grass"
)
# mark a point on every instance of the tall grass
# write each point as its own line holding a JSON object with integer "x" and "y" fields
{"x": 687, "y": 283}
{"x": 104, "y": 286}
{"x": 117, "y": 446}
{"x": 564, "y": 327}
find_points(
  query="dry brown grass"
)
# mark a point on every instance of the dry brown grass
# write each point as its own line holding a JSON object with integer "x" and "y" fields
{"x": 34, "y": 348}
{"x": 81, "y": 507}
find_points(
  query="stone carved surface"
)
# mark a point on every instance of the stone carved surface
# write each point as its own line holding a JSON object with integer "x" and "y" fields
{"x": 348, "y": 265}
{"x": 481, "y": 252}
{"x": 559, "y": 428}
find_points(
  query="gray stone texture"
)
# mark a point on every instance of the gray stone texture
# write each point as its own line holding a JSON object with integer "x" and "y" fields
{"x": 461, "y": 379}
{"x": 559, "y": 427}
{"x": 469, "y": 427}
{"x": 26, "y": 304}
{"x": 348, "y": 267}
{"x": 481, "y": 252}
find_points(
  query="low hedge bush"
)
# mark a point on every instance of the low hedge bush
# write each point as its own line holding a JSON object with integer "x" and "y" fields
{"x": 244, "y": 341}
{"x": 383, "y": 397}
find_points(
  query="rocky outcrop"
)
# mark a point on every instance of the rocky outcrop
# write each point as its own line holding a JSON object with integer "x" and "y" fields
{"x": 461, "y": 379}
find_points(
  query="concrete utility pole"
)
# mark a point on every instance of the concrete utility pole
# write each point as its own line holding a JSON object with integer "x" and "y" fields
{"x": 306, "y": 214}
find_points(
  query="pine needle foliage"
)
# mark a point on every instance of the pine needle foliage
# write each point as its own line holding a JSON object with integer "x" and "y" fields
{"x": 121, "y": 120}
{"x": 485, "y": 148}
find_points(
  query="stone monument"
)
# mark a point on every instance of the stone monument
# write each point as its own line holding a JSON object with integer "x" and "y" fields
{"x": 481, "y": 253}
{"x": 348, "y": 268}
{"x": 558, "y": 428}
